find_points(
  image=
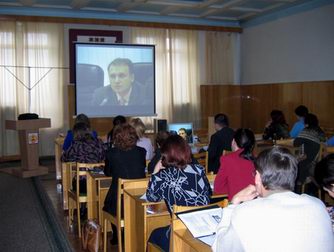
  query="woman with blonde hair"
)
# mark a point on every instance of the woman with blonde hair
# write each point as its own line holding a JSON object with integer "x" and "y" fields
{"x": 143, "y": 141}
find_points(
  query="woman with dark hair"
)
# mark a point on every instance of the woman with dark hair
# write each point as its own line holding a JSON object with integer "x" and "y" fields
{"x": 124, "y": 160}
{"x": 301, "y": 111}
{"x": 176, "y": 181}
{"x": 277, "y": 127}
{"x": 237, "y": 168}
{"x": 309, "y": 138}
{"x": 159, "y": 141}
{"x": 81, "y": 118}
{"x": 85, "y": 148}
{"x": 118, "y": 120}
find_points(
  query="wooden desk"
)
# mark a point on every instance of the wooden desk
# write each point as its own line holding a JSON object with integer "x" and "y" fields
{"x": 59, "y": 141}
{"x": 97, "y": 189}
{"x": 138, "y": 224}
{"x": 183, "y": 240}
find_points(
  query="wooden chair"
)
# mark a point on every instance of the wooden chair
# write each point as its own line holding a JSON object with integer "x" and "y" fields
{"x": 177, "y": 224}
{"x": 75, "y": 198}
{"x": 66, "y": 182}
{"x": 117, "y": 220}
{"x": 202, "y": 158}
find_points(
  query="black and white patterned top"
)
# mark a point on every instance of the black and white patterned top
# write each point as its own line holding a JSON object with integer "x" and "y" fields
{"x": 184, "y": 187}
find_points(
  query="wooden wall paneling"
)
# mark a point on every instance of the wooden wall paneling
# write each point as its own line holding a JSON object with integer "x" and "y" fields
{"x": 287, "y": 97}
{"x": 256, "y": 106}
{"x": 318, "y": 97}
{"x": 221, "y": 99}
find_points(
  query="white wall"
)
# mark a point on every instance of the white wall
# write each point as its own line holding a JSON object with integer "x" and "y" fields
{"x": 295, "y": 48}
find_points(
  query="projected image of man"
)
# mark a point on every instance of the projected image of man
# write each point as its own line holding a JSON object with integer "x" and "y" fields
{"x": 123, "y": 89}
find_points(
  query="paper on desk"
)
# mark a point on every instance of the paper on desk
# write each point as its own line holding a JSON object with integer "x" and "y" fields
{"x": 209, "y": 240}
{"x": 202, "y": 222}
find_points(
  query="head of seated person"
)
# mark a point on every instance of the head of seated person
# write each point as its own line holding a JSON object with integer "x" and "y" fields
{"x": 118, "y": 120}
{"x": 244, "y": 139}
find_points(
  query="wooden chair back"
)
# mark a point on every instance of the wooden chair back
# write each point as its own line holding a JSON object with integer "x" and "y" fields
{"x": 202, "y": 159}
{"x": 74, "y": 195}
{"x": 118, "y": 220}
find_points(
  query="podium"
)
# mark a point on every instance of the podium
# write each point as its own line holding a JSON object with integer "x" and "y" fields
{"x": 28, "y": 139}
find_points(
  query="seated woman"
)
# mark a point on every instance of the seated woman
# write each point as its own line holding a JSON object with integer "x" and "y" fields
{"x": 124, "y": 160}
{"x": 81, "y": 118}
{"x": 143, "y": 141}
{"x": 237, "y": 168}
{"x": 277, "y": 127}
{"x": 310, "y": 138}
{"x": 301, "y": 111}
{"x": 84, "y": 149}
{"x": 176, "y": 181}
{"x": 159, "y": 141}
{"x": 118, "y": 120}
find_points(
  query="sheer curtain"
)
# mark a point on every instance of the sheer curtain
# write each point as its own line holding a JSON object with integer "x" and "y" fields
{"x": 221, "y": 58}
{"x": 177, "y": 72}
{"x": 30, "y": 57}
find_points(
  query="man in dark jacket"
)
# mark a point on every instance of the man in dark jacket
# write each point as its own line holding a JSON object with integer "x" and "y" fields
{"x": 219, "y": 141}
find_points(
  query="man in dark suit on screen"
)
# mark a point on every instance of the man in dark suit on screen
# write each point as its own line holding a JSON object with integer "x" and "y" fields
{"x": 123, "y": 89}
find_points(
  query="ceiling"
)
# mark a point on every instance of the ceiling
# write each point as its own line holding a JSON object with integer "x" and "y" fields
{"x": 210, "y": 12}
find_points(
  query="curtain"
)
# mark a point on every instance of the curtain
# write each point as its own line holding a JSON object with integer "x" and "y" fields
{"x": 177, "y": 72}
{"x": 222, "y": 63}
{"x": 31, "y": 57}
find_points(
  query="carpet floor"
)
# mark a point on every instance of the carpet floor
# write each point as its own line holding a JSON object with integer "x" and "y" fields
{"x": 27, "y": 218}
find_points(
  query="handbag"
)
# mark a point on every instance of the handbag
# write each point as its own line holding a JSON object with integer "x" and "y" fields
{"x": 91, "y": 236}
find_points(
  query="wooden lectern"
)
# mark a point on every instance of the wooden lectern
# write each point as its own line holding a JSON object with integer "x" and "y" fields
{"x": 28, "y": 138}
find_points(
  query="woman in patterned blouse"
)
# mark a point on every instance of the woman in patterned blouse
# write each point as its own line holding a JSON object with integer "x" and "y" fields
{"x": 176, "y": 181}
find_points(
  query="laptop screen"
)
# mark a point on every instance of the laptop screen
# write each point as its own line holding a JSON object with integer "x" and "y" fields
{"x": 185, "y": 130}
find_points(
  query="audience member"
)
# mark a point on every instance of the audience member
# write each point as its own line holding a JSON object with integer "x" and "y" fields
{"x": 143, "y": 141}
{"x": 278, "y": 220}
{"x": 124, "y": 160}
{"x": 237, "y": 168}
{"x": 277, "y": 127}
{"x": 118, "y": 120}
{"x": 176, "y": 181}
{"x": 219, "y": 141}
{"x": 159, "y": 141}
{"x": 309, "y": 140}
{"x": 81, "y": 118}
{"x": 301, "y": 111}
{"x": 85, "y": 148}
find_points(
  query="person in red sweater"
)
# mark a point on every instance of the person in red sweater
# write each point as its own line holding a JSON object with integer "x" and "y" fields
{"x": 236, "y": 169}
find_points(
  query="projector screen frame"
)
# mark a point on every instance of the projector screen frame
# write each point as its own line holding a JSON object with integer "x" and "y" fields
{"x": 148, "y": 85}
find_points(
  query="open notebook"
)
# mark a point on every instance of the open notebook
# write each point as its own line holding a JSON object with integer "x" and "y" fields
{"x": 202, "y": 223}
